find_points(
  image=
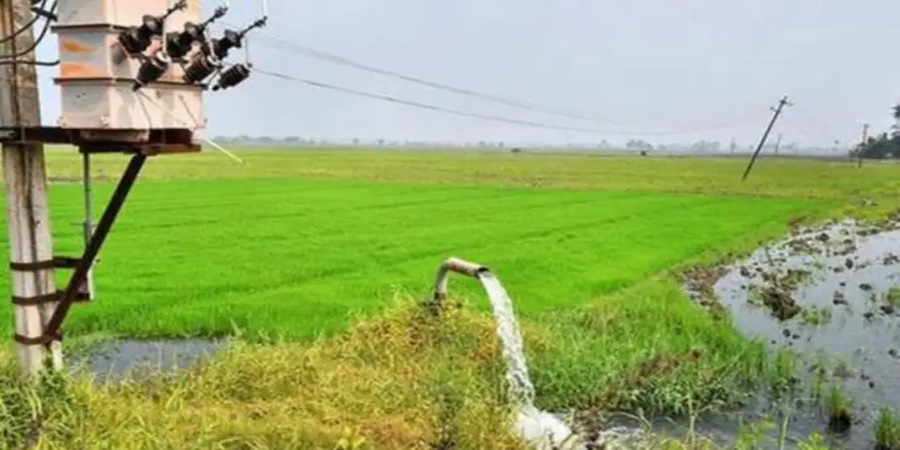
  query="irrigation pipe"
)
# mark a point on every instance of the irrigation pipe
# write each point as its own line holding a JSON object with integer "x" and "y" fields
{"x": 453, "y": 265}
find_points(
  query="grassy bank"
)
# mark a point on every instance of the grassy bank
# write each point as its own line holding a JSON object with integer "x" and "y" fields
{"x": 294, "y": 243}
{"x": 436, "y": 386}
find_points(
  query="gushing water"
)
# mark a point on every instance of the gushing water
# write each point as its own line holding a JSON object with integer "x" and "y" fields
{"x": 541, "y": 429}
{"x": 520, "y": 386}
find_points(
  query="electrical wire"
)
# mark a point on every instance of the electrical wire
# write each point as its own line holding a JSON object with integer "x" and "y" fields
{"x": 340, "y": 60}
{"x": 415, "y": 104}
{"x": 431, "y": 107}
{"x": 37, "y": 41}
{"x": 196, "y": 126}
{"x": 25, "y": 27}
{"x": 809, "y": 122}
{"x": 310, "y": 52}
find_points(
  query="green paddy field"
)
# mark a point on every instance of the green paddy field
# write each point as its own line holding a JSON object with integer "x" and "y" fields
{"x": 317, "y": 258}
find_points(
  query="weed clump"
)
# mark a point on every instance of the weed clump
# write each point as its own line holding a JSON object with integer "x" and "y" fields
{"x": 815, "y": 316}
{"x": 893, "y": 297}
{"x": 887, "y": 431}
{"x": 839, "y": 411}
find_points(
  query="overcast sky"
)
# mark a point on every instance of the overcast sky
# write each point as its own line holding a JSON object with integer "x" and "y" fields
{"x": 649, "y": 65}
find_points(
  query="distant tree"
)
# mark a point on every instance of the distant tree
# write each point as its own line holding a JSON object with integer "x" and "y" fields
{"x": 885, "y": 145}
{"x": 896, "y": 114}
{"x": 881, "y": 147}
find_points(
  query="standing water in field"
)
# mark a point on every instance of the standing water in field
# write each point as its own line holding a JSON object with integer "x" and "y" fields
{"x": 831, "y": 295}
{"x": 542, "y": 430}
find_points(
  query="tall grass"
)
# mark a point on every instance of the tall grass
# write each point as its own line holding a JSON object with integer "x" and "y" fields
{"x": 408, "y": 381}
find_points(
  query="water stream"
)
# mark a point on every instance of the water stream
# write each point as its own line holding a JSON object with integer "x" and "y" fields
{"x": 541, "y": 429}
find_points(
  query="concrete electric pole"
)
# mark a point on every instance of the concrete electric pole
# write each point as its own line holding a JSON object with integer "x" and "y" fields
{"x": 862, "y": 144}
{"x": 762, "y": 142}
{"x": 139, "y": 92}
{"x": 30, "y": 245}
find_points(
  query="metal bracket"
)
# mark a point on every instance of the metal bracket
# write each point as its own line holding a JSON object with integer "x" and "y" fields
{"x": 46, "y": 339}
{"x": 47, "y": 298}
{"x": 155, "y": 141}
{"x": 70, "y": 293}
{"x": 142, "y": 144}
{"x": 58, "y": 262}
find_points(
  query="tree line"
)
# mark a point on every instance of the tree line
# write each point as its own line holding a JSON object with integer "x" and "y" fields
{"x": 883, "y": 146}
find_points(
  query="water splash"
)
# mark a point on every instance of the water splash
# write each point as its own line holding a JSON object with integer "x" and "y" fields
{"x": 542, "y": 430}
{"x": 520, "y": 386}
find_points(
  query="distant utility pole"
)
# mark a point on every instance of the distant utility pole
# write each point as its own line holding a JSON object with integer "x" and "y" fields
{"x": 27, "y": 214}
{"x": 859, "y": 151}
{"x": 733, "y": 146}
{"x": 762, "y": 142}
{"x": 778, "y": 144}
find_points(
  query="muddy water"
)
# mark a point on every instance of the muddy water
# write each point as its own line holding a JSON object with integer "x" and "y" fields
{"x": 115, "y": 360}
{"x": 824, "y": 294}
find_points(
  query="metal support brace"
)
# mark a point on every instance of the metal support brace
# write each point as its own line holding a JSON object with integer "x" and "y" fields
{"x": 70, "y": 293}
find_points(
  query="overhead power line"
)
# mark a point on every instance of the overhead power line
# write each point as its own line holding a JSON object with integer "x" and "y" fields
{"x": 340, "y": 60}
{"x": 307, "y": 51}
{"x": 421, "y": 105}
{"x": 431, "y": 107}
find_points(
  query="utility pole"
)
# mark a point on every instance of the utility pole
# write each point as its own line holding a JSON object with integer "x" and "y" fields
{"x": 101, "y": 113}
{"x": 762, "y": 142}
{"x": 778, "y": 144}
{"x": 859, "y": 151}
{"x": 30, "y": 246}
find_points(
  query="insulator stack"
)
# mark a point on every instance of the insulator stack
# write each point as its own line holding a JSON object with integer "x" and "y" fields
{"x": 232, "y": 77}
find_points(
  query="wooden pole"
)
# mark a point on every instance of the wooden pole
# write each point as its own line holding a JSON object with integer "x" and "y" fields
{"x": 24, "y": 176}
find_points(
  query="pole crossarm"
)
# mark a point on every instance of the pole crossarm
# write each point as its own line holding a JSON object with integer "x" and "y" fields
{"x": 152, "y": 142}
